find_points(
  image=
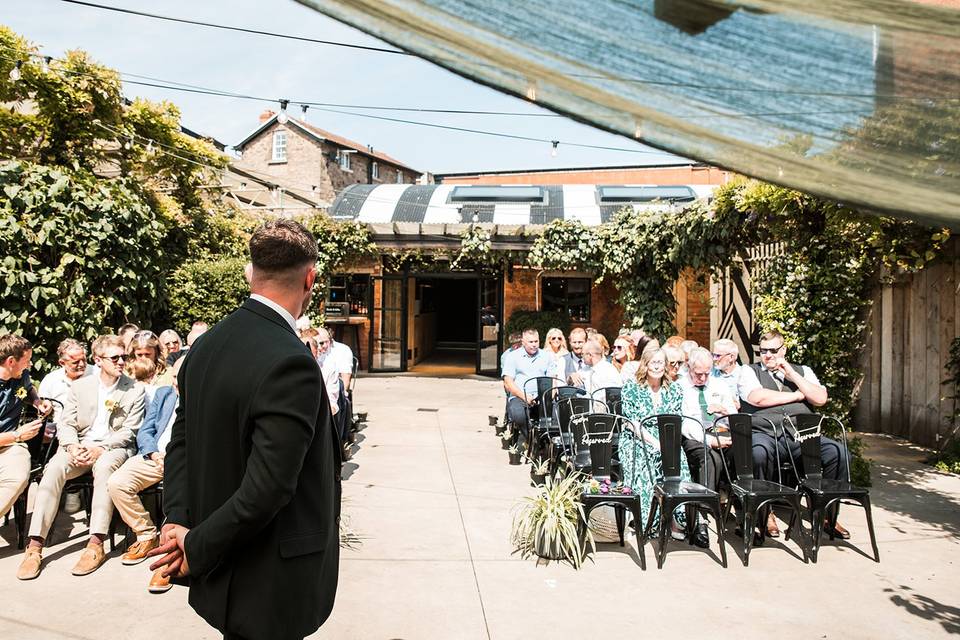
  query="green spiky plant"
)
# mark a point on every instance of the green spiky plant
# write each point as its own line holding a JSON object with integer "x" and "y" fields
{"x": 547, "y": 524}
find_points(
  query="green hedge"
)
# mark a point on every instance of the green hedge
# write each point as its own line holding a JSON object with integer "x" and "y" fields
{"x": 206, "y": 290}
{"x": 79, "y": 254}
{"x": 542, "y": 321}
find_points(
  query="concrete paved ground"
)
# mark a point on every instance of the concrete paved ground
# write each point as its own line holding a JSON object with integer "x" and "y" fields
{"x": 430, "y": 495}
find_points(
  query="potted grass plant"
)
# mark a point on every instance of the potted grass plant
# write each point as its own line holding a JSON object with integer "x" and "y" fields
{"x": 514, "y": 453}
{"x": 539, "y": 469}
{"x": 499, "y": 428}
{"x": 505, "y": 439}
{"x": 547, "y": 524}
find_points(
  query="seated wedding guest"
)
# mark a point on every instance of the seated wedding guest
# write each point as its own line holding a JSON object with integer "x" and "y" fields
{"x": 146, "y": 346}
{"x": 16, "y": 389}
{"x": 676, "y": 359}
{"x": 649, "y": 393}
{"x": 776, "y": 389}
{"x": 97, "y": 434}
{"x": 704, "y": 398}
{"x": 598, "y": 373}
{"x": 126, "y": 333}
{"x": 573, "y": 361}
{"x": 521, "y": 365}
{"x": 604, "y": 345}
{"x": 673, "y": 341}
{"x": 514, "y": 340}
{"x": 172, "y": 346}
{"x": 331, "y": 379}
{"x": 623, "y": 358}
{"x": 339, "y": 355}
{"x": 196, "y": 330}
{"x": 72, "y": 357}
{"x": 144, "y": 470}
{"x": 144, "y": 371}
{"x": 556, "y": 345}
{"x": 726, "y": 368}
{"x": 636, "y": 335}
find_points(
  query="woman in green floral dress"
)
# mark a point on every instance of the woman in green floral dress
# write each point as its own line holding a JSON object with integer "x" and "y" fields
{"x": 648, "y": 394}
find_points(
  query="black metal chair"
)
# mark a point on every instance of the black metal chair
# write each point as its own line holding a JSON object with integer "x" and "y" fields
{"x": 673, "y": 492}
{"x": 825, "y": 495}
{"x": 755, "y": 496}
{"x": 40, "y": 453}
{"x": 539, "y": 416}
{"x": 611, "y": 396}
{"x": 572, "y": 428}
{"x": 597, "y": 439}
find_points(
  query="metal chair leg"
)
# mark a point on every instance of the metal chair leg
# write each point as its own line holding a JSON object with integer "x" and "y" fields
{"x": 621, "y": 516}
{"x": 865, "y": 501}
{"x": 816, "y": 530}
{"x": 641, "y": 539}
{"x": 748, "y": 524}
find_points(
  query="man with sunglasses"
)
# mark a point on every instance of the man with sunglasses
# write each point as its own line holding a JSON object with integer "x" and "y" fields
{"x": 775, "y": 389}
{"x": 97, "y": 433}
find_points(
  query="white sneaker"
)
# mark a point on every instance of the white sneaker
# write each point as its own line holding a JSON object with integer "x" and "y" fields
{"x": 71, "y": 503}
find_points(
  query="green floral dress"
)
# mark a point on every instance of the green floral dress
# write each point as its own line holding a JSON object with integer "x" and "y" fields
{"x": 638, "y": 403}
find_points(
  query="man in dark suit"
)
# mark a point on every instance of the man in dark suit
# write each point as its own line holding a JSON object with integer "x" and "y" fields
{"x": 251, "y": 481}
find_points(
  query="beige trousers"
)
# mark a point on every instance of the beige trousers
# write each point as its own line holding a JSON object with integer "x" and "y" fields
{"x": 14, "y": 474}
{"x": 57, "y": 472}
{"x": 134, "y": 476}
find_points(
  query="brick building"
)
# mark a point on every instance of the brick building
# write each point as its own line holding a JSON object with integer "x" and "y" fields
{"x": 432, "y": 316}
{"x": 313, "y": 165}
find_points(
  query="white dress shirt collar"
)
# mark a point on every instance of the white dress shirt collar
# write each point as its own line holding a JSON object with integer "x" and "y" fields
{"x": 290, "y": 320}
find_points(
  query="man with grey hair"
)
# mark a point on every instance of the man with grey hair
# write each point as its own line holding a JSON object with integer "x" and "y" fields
{"x": 599, "y": 372}
{"x": 726, "y": 368}
{"x": 72, "y": 356}
{"x": 705, "y": 398}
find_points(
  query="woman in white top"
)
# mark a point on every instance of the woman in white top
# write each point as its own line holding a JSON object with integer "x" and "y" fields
{"x": 623, "y": 357}
{"x": 556, "y": 346}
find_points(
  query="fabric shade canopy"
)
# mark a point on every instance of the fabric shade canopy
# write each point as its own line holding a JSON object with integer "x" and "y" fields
{"x": 855, "y": 100}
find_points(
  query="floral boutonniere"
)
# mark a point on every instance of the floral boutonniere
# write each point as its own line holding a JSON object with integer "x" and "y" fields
{"x": 110, "y": 405}
{"x": 22, "y": 393}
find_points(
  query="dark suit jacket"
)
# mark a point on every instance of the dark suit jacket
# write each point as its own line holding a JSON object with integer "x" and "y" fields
{"x": 252, "y": 469}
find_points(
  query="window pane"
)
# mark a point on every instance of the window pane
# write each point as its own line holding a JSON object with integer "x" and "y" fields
{"x": 567, "y": 295}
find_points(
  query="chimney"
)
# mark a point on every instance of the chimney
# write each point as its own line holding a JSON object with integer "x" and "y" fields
{"x": 266, "y": 115}
{"x": 370, "y": 149}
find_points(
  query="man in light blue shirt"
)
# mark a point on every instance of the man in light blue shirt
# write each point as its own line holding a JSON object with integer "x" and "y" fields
{"x": 519, "y": 366}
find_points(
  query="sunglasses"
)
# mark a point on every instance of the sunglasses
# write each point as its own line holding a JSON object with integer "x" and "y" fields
{"x": 323, "y": 342}
{"x": 618, "y": 347}
{"x": 674, "y": 363}
{"x": 770, "y": 350}
{"x": 115, "y": 359}
{"x": 556, "y": 338}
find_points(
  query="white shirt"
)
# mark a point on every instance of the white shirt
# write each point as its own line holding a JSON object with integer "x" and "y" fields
{"x": 164, "y": 438}
{"x": 331, "y": 382}
{"x": 629, "y": 371}
{"x": 339, "y": 356}
{"x": 715, "y": 391}
{"x": 56, "y": 385}
{"x": 601, "y": 375}
{"x": 749, "y": 382}
{"x": 290, "y": 320}
{"x": 149, "y": 390}
{"x": 100, "y": 428}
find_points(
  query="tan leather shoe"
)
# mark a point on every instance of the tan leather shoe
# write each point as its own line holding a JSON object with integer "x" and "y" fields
{"x": 137, "y": 552}
{"x": 30, "y": 565}
{"x": 90, "y": 560}
{"x": 159, "y": 583}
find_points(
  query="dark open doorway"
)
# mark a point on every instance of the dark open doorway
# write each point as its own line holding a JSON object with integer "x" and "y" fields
{"x": 445, "y": 312}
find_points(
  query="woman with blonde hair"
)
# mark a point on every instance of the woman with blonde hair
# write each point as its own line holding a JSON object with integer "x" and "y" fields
{"x": 556, "y": 346}
{"x": 648, "y": 393}
{"x": 146, "y": 345}
{"x": 624, "y": 357}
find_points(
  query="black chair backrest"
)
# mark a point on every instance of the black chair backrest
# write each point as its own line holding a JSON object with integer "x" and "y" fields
{"x": 611, "y": 396}
{"x": 573, "y": 425}
{"x": 668, "y": 426}
{"x": 807, "y": 426}
{"x": 741, "y": 432}
{"x": 553, "y": 396}
{"x": 597, "y": 438}
{"x": 536, "y": 387}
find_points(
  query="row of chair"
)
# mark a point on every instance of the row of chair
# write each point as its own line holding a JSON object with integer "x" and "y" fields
{"x": 564, "y": 421}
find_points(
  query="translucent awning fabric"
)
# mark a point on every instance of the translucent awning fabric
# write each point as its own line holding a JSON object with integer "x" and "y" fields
{"x": 855, "y": 100}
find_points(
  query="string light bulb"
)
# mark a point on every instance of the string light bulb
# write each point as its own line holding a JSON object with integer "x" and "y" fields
{"x": 303, "y": 110}
{"x": 15, "y": 72}
{"x": 553, "y": 150}
{"x": 128, "y": 144}
{"x": 46, "y": 63}
{"x": 282, "y": 117}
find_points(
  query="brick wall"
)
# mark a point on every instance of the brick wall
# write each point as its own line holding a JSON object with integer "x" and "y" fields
{"x": 313, "y": 163}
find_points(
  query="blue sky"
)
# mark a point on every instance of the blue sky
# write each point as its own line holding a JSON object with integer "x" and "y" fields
{"x": 263, "y": 66}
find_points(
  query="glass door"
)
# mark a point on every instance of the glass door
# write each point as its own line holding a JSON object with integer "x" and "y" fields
{"x": 489, "y": 323}
{"x": 388, "y": 324}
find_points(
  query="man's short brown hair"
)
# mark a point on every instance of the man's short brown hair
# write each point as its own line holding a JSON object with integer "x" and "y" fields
{"x": 13, "y": 345}
{"x": 773, "y": 334}
{"x": 108, "y": 340}
{"x": 282, "y": 245}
